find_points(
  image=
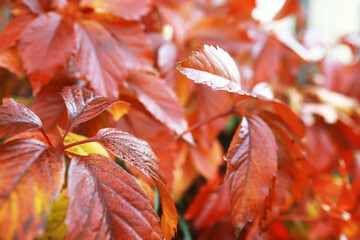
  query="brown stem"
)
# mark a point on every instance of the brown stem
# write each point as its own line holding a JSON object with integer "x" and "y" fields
{"x": 45, "y": 136}
{"x": 199, "y": 124}
{"x": 71, "y": 154}
{"x": 79, "y": 143}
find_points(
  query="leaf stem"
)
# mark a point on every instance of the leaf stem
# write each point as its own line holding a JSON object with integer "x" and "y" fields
{"x": 71, "y": 154}
{"x": 79, "y": 143}
{"x": 42, "y": 131}
{"x": 199, "y": 124}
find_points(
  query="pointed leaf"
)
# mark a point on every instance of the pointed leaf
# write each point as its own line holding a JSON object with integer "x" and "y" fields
{"x": 169, "y": 218}
{"x": 46, "y": 46}
{"x": 251, "y": 165}
{"x": 101, "y": 64}
{"x": 31, "y": 174}
{"x": 161, "y": 103}
{"x": 107, "y": 203}
{"x": 213, "y": 67}
{"x": 127, "y": 9}
{"x": 132, "y": 150}
{"x": 15, "y": 118}
{"x": 83, "y": 104}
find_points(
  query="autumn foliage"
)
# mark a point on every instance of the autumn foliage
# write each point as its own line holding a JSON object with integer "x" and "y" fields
{"x": 163, "y": 119}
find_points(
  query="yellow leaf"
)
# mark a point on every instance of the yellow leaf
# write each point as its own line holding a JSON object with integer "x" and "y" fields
{"x": 86, "y": 148}
{"x": 55, "y": 225}
{"x": 119, "y": 109}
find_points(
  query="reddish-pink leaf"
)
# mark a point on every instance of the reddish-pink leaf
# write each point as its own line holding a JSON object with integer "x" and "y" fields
{"x": 211, "y": 204}
{"x": 127, "y": 9}
{"x": 83, "y": 104}
{"x": 31, "y": 174}
{"x": 209, "y": 103}
{"x": 160, "y": 138}
{"x": 133, "y": 42}
{"x": 132, "y": 150}
{"x": 50, "y": 106}
{"x": 107, "y": 203}
{"x": 213, "y": 67}
{"x": 159, "y": 99}
{"x": 101, "y": 64}
{"x": 15, "y": 118}
{"x": 251, "y": 166}
{"x": 33, "y": 5}
{"x": 13, "y": 29}
{"x": 46, "y": 46}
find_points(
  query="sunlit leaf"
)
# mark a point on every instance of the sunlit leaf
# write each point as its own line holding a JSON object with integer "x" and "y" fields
{"x": 213, "y": 67}
{"x": 31, "y": 174}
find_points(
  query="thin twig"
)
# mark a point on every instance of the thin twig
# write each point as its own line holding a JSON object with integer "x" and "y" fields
{"x": 79, "y": 143}
{"x": 199, "y": 124}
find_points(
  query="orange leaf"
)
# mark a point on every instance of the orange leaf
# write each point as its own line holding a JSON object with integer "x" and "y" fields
{"x": 169, "y": 216}
{"x": 31, "y": 174}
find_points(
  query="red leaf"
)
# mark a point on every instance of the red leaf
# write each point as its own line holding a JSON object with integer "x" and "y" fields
{"x": 161, "y": 140}
{"x": 252, "y": 163}
{"x": 13, "y": 29}
{"x": 107, "y": 203}
{"x": 102, "y": 64}
{"x": 133, "y": 42}
{"x": 83, "y": 105}
{"x": 207, "y": 158}
{"x": 46, "y": 46}
{"x": 209, "y": 103}
{"x": 50, "y": 106}
{"x": 15, "y": 118}
{"x": 289, "y": 7}
{"x": 161, "y": 103}
{"x": 243, "y": 8}
{"x": 132, "y": 150}
{"x": 31, "y": 174}
{"x": 211, "y": 204}
{"x": 213, "y": 67}
{"x": 127, "y": 9}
